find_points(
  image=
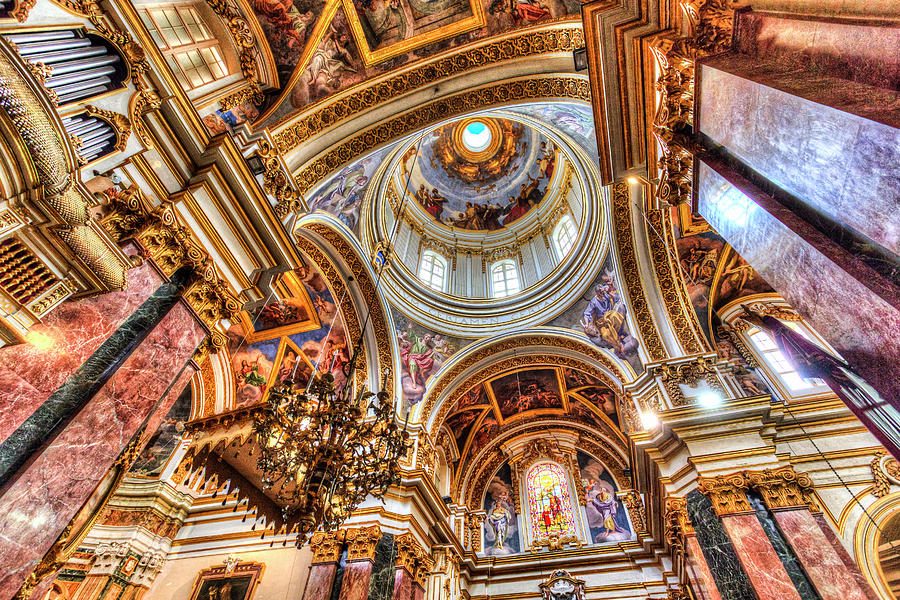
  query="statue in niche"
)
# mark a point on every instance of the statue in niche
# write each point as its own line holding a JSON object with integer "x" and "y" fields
{"x": 501, "y": 524}
{"x": 562, "y": 586}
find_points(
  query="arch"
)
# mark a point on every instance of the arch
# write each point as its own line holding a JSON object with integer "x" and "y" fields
{"x": 483, "y": 359}
{"x": 867, "y": 537}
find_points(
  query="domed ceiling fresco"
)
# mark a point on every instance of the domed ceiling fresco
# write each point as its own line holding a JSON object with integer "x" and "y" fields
{"x": 481, "y": 173}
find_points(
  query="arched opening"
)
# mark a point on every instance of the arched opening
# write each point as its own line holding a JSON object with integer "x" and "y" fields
{"x": 504, "y": 279}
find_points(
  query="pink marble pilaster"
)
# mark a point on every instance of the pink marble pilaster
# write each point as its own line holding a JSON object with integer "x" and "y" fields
{"x": 845, "y": 557}
{"x": 767, "y": 574}
{"x": 403, "y": 584}
{"x": 321, "y": 579}
{"x": 355, "y": 585}
{"x": 51, "y": 488}
{"x": 418, "y": 592}
{"x": 823, "y": 565}
{"x": 65, "y": 338}
{"x": 702, "y": 581}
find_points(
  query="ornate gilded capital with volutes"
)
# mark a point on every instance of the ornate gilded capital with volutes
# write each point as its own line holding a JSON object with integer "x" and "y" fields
{"x": 688, "y": 373}
{"x": 278, "y": 184}
{"x": 635, "y": 505}
{"x": 413, "y": 557}
{"x": 473, "y": 530}
{"x": 361, "y": 542}
{"x": 171, "y": 246}
{"x": 783, "y": 488}
{"x": 677, "y": 523}
{"x": 728, "y": 493}
{"x": 326, "y": 546}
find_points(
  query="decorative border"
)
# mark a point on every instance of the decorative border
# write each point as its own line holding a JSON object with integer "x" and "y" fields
{"x": 536, "y": 88}
{"x": 522, "y": 341}
{"x": 319, "y": 117}
{"x": 632, "y": 276}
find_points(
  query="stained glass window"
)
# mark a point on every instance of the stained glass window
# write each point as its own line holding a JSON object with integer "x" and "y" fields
{"x": 549, "y": 501}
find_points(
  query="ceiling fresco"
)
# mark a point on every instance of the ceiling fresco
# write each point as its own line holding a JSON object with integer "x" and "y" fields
{"x": 342, "y": 196}
{"x": 288, "y": 339}
{"x": 486, "y": 409}
{"x": 480, "y": 188}
{"x": 324, "y": 47}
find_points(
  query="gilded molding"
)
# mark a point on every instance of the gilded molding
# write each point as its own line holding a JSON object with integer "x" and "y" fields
{"x": 676, "y": 523}
{"x": 119, "y": 123}
{"x": 21, "y": 10}
{"x": 171, "y": 246}
{"x": 326, "y": 546}
{"x": 447, "y": 377}
{"x": 783, "y": 488}
{"x": 361, "y": 542}
{"x": 728, "y": 493}
{"x": 554, "y": 543}
{"x": 473, "y": 530}
{"x": 879, "y": 467}
{"x": 277, "y": 183}
{"x": 536, "y": 88}
{"x": 242, "y": 36}
{"x": 671, "y": 286}
{"x": 322, "y": 116}
{"x": 710, "y": 24}
{"x": 731, "y": 334}
{"x": 643, "y": 316}
{"x": 688, "y": 373}
{"x": 635, "y": 505}
{"x": 412, "y": 557}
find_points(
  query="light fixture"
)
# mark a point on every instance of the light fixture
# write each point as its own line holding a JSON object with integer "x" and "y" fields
{"x": 709, "y": 399}
{"x": 649, "y": 420}
{"x": 633, "y": 180}
{"x": 322, "y": 452}
{"x": 579, "y": 55}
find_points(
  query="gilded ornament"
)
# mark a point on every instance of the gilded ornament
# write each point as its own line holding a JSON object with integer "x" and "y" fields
{"x": 731, "y": 334}
{"x": 326, "y": 546}
{"x": 635, "y": 505}
{"x": 555, "y": 543}
{"x": 243, "y": 39}
{"x": 728, "y": 493}
{"x": 277, "y": 183}
{"x": 688, "y": 373}
{"x": 322, "y": 116}
{"x": 882, "y": 485}
{"x": 783, "y": 488}
{"x": 676, "y": 523}
{"x": 671, "y": 285}
{"x": 566, "y": 87}
{"x": 473, "y": 530}
{"x": 361, "y": 542}
{"x": 119, "y": 123}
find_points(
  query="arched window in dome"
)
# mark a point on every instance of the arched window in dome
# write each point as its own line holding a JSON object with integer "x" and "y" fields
{"x": 504, "y": 279}
{"x": 433, "y": 270}
{"x": 564, "y": 236}
{"x": 550, "y": 507}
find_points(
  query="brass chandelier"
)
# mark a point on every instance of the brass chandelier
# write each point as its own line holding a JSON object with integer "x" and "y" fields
{"x": 322, "y": 452}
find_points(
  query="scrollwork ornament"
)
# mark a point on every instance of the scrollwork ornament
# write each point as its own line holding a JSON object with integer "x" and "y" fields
{"x": 728, "y": 493}
{"x": 783, "y": 488}
{"x": 119, "y": 123}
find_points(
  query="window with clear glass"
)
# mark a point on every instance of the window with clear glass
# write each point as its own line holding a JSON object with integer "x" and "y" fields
{"x": 780, "y": 365}
{"x": 549, "y": 501}
{"x": 433, "y": 270}
{"x": 191, "y": 50}
{"x": 504, "y": 279}
{"x": 564, "y": 236}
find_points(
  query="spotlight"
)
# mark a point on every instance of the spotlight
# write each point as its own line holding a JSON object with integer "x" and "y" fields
{"x": 580, "y": 57}
{"x": 710, "y": 399}
{"x": 633, "y": 180}
{"x": 649, "y": 420}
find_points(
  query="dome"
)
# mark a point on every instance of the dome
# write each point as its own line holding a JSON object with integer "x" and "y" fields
{"x": 484, "y": 217}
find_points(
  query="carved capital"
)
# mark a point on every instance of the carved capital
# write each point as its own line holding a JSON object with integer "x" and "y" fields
{"x": 635, "y": 505}
{"x": 326, "y": 546}
{"x": 783, "y": 488}
{"x": 473, "y": 530}
{"x": 677, "y": 524}
{"x": 361, "y": 542}
{"x": 728, "y": 493}
{"x": 688, "y": 373}
{"x": 412, "y": 557}
{"x": 278, "y": 184}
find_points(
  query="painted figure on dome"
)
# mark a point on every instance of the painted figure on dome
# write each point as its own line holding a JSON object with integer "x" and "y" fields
{"x": 250, "y": 374}
{"x": 604, "y": 319}
{"x": 607, "y": 516}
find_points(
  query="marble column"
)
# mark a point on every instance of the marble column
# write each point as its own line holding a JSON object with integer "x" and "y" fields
{"x": 404, "y": 581}
{"x": 361, "y": 543}
{"x": 817, "y": 276}
{"x": 62, "y": 342}
{"x": 681, "y": 535}
{"x": 790, "y": 498}
{"x": 326, "y": 548}
{"x": 758, "y": 558}
{"x": 50, "y": 489}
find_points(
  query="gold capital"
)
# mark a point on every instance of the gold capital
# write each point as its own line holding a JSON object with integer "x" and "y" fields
{"x": 361, "y": 542}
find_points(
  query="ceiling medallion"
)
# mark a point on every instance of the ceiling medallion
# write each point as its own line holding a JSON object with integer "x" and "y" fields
{"x": 477, "y": 139}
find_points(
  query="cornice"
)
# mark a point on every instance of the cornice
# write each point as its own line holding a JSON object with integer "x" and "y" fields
{"x": 571, "y": 87}
{"x": 332, "y": 111}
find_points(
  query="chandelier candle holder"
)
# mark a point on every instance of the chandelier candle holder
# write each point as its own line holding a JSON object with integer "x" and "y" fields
{"x": 322, "y": 452}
